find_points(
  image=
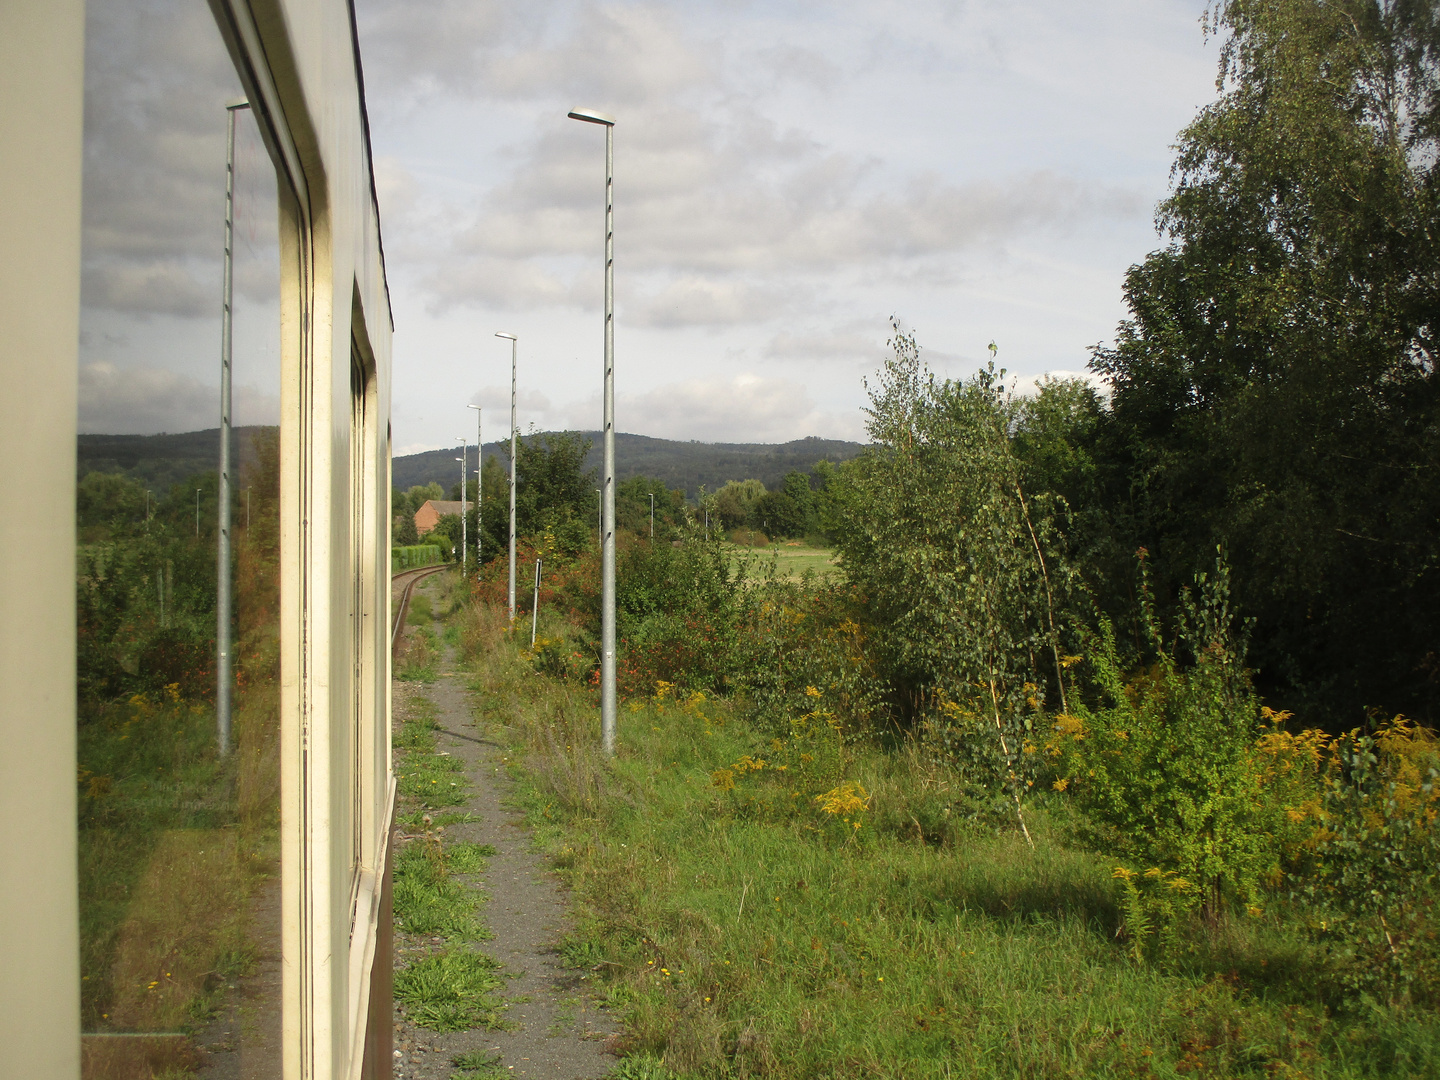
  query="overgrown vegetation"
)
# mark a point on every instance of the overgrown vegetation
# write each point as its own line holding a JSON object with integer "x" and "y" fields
{"x": 816, "y": 903}
{"x": 445, "y": 982}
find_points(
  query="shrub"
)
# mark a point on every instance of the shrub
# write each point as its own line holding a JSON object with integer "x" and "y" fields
{"x": 1165, "y": 770}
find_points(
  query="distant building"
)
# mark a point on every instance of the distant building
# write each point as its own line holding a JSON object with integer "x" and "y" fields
{"x": 429, "y": 515}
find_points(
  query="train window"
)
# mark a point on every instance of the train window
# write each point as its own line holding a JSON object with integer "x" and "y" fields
{"x": 178, "y": 568}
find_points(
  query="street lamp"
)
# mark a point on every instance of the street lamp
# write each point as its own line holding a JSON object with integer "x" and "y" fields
{"x": 464, "y": 472}
{"x": 652, "y": 515}
{"x": 479, "y": 479}
{"x": 514, "y": 347}
{"x": 607, "y": 548}
{"x": 223, "y": 583}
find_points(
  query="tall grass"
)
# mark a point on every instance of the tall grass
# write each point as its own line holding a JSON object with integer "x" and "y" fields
{"x": 745, "y": 932}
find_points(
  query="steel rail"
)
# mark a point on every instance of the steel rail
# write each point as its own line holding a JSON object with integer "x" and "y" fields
{"x": 400, "y": 609}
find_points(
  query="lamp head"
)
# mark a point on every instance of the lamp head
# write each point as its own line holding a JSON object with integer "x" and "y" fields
{"x": 591, "y": 116}
{"x": 237, "y": 103}
{"x": 475, "y": 407}
{"x": 507, "y": 337}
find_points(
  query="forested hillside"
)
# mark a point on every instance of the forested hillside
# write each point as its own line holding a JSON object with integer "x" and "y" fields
{"x": 684, "y": 465}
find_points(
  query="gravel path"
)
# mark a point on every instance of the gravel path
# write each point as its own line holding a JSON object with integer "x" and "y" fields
{"x": 559, "y": 1032}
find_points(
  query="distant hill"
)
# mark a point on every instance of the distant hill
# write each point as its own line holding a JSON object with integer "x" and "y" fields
{"x": 685, "y": 465}
{"x": 158, "y": 461}
{"x": 161, "y": 460}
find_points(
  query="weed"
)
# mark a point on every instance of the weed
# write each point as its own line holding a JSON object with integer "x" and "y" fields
{"x": 466, "y": 858}
{"x": 478, "y": 1065}
{"x": 642, "y": 1067}
{"x": 432, "y": 780}
{"x": 452, "y": 991}
{"x": 428, "y": 901}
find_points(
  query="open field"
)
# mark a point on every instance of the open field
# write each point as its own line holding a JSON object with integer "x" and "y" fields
{"x": 794, "y": 558}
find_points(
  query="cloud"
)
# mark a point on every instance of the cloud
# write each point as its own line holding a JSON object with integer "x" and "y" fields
{"x": 860, "y": 339}
{"x": 158, "y": 287}
{"x": 697, "y": 301}
{"x": 1031, "y": 387}
{"x": 142, "y": 400}
{"x": 157, "y": 78}
{"x": 621, "y": 54}
{"x": 725, "y": 213}
{"x": 495, "y": 400}
{"x": 744, "y": 408}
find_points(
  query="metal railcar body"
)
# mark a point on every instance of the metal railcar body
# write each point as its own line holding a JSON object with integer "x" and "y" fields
{"x": 322, "y": 847}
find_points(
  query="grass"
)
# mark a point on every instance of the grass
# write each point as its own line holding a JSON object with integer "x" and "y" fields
{"x": 793, "y": 558}
{"x": 478, "y": 1065}
{"x": 450, "y": 986}
{"x": 173, "y": 844}
{"x": 745, "y": 932}
{"x": 453, "y": 990}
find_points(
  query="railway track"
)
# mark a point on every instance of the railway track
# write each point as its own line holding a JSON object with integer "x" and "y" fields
{"x": 409, "y": 578}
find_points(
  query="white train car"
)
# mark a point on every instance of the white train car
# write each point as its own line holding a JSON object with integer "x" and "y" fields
{"x": 202, "y": 908}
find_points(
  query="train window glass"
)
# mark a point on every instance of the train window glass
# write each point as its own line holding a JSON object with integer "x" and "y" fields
{"x": 178, "y": 795}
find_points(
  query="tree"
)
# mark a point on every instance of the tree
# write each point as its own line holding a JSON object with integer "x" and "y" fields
{"x": 734, "y": 501}
{"x": 958, "y": 569}
{"x": 1274, "y": 389}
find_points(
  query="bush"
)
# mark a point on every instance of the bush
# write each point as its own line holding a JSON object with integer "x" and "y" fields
{"x": 1165, "y": 769}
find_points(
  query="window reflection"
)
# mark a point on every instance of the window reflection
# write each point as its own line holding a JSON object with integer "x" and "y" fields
{"x": 179, "y": 847}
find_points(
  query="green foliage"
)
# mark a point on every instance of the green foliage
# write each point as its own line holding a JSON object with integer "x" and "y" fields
{"x": 735, "y": 936}
{"x": 1275, "y": 387}
{"x": 478, "y": 1065}
{"x": 734, "y": 502}
{"x": 1164, "y": 766}
{"x": 552, "y": 484}
{"x": 1375, "y": 872}
{"x": 632, "y": 508}
{"x": 959, "y": 568}
{"x": 407, "y": 558}
{"x": 403, "y": 531}
{"x": 807, "y": 651}
{"x": 678, "y": 615}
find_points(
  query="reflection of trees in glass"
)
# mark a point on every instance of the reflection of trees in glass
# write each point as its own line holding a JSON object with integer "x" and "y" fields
{"x": 176, "y": 846}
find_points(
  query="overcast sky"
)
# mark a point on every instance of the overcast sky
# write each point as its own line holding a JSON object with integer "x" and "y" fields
{"x": 157, "y": 80}
{"x": 788, "y": 176}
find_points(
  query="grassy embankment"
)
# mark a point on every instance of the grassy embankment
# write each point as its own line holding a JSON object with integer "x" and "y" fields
{"x": 749, "y": 932}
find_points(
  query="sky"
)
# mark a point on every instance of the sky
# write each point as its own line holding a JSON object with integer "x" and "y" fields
{"x": 789, "y": 178}
{"x": 157, "y": 82}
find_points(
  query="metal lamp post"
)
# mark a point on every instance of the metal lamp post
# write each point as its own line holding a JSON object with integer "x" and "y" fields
{"x": 479, "y": 479}
{"x": 464, "y": 472}
{"x": 652, "y": 515}
{"x": 607, "y": 548}
{"x": 223, "y": 583}
{"x": 514, "y": 348}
